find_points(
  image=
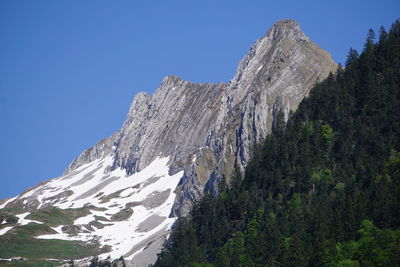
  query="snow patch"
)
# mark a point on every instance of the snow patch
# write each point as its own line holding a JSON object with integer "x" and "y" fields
{"x": 5, "y": 230}
{"x": 26, "y": 221}
{"x": 23, "y": 221}
{"x": 22, "y": 216}
{"x": 2, "y": 206}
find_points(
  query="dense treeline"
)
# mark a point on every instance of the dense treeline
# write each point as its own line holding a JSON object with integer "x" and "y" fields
{"x": 322, "y": 190}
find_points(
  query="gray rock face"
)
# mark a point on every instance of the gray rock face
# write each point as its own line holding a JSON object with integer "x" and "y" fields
{"x": 102, "y": 148}
{"x": 206, "y": 128}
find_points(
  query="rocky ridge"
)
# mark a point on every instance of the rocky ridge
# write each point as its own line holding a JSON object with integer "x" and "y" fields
{"x": 206, "y": 128}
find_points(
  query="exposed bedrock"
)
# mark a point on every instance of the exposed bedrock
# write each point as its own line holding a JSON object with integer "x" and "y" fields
{"x": 206, "y": 128}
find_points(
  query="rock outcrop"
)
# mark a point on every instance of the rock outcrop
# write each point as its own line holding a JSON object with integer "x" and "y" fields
{"x": 206, "y": 128}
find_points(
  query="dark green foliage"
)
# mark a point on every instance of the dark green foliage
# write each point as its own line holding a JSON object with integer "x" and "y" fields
{"x": 22, "y": 244}
{"x": 31, "y": 263}
{"x": 32, "y": 229}
{"x": 324, "y": 190}
{"x": 95, "y": 262}
{"x": 22, "y": 241}
{"x": 374, "y": 247}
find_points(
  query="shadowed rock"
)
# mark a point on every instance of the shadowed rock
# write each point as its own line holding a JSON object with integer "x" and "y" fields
{"x": 86, "y": 177}
{"x": 151, "y": 246}
{"x": 151, "y": 180}
{"x": 73, "y": 174}
{"x": 97, "y": 188}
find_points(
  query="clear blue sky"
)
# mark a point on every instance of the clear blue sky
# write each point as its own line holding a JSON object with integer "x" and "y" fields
{"x": 70, "y": 69}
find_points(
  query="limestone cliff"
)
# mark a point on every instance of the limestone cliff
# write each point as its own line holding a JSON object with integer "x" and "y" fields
{"x": 206, "y": 128}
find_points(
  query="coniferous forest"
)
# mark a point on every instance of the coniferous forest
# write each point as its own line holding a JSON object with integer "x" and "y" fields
{"x": 323, "y": 189}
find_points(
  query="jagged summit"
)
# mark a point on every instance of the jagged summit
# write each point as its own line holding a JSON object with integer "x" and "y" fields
{"x": 289, "y": 28}
{"x": 193, "y": 133}
{"x": 285, "y": 24}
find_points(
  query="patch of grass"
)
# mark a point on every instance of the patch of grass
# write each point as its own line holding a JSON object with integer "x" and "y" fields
{"x": 21, "y": 241}
{"x": 53, "y": 216}
{"x": 79, "y": 212}
{"x": 32, "y": 229}
{"x": 32, "y": 263}
{"x": 16, "y": 245}
{"x": 123, "y": 214}
{"x": 92, "y": 207}
{"x": 98, "y": 224}
{"x": 101, "y": 218}
{"x": 12, "y": 211}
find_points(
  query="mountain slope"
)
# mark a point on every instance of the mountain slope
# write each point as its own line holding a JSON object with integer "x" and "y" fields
{"x": 323, "y": 190}
{"x": 218, "y": 124}
{"x": 172, "y": 146}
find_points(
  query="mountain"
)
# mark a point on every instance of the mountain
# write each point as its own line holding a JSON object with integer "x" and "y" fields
{"x": 321, "y": 190}
{"x": 123, "y": 195}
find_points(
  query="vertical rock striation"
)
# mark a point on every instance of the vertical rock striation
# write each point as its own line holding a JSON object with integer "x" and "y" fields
{"x": 206, "y": 128}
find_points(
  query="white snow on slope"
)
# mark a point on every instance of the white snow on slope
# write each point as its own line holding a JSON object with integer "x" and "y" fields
{"x": 5, "y": 230}
{"x": 150, "y": 192}
{"x": 23, "y": 221}
{"x": 8, "y": 201}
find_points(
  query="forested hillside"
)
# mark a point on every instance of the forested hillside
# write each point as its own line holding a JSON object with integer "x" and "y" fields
{"x": 323, "y": 189}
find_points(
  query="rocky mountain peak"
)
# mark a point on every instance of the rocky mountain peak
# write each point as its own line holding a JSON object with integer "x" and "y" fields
{"x": 194, "y": 132}
{"x": 170, "y": 80}
{"x": 287, "y": 28}
{"x": 217, "y": 123}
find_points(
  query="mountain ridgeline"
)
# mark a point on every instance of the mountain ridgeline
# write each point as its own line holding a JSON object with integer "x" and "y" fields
{"x": 321, "y": 190}
{"x": 121, "y": 197}
{"x": 205, "y": 129}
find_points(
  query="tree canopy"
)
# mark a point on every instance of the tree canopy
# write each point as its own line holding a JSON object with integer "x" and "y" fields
{"x": 322, "y": 191}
